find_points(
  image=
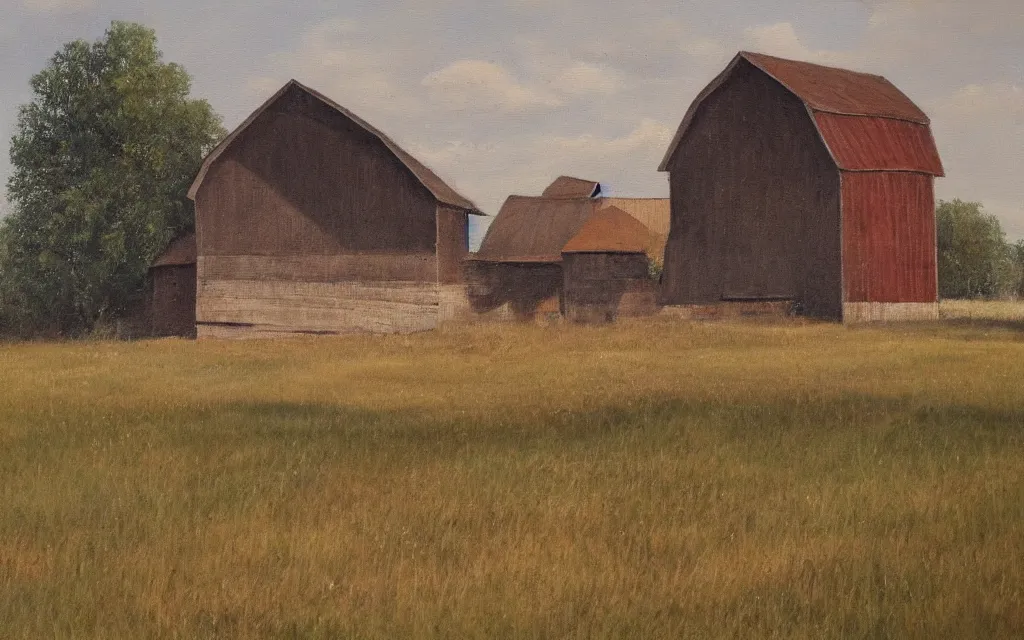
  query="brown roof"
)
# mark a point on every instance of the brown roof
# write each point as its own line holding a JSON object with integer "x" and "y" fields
{"x": 529, "y": 229}
{"x": 569, "y": 187}
{"x": 180, "y": 251}
{"x": 654, "y": 213}
{"x": 869, "y": 124}
{"x": 437, "y": 187}
{"x": 611, "y": 230}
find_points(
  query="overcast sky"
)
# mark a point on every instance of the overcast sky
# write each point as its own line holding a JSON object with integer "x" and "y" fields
{"x": 500, "y": 97}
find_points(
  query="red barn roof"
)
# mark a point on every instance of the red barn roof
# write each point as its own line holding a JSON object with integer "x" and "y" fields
{"x": 865, "y": 122}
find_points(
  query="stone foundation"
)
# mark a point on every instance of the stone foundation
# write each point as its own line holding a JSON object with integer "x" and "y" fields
{"x": 857, "y": 312}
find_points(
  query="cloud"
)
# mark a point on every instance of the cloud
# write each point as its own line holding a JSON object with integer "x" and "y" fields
{"x": 781, "y": 39}
{"x": 338, "y": 58}
{"x": 484, "y": 86}
{"x": 979, "y": 129}
{"x": 57, "y": 6}
{"x": 583, "y": 78}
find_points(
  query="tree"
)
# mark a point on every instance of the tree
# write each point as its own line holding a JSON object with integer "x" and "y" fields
{"x": 102, "y": 159}
{"x": 974, "y": 258}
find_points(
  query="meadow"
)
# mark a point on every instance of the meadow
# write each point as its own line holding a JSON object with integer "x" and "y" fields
{"x": 648, "y": 479}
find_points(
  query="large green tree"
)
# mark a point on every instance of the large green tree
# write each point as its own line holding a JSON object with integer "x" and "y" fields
{"x": 974, "y": 258}
{"x": 102, "y": 159}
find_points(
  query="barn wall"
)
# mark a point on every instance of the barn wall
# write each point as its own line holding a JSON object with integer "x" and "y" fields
{"x": 755, "y": 202}
{"x": 173, "y": 300}
{"x": 452, "y": 243}
{"x": 309, "y": 223}
{"x": 524, "y": 290}
{"x": 303, "y": 179}
{"x": 600, "y": 287}
{"x": 889, "y": 237}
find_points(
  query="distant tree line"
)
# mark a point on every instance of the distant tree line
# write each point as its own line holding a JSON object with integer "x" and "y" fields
{"x": 975, "y": 259}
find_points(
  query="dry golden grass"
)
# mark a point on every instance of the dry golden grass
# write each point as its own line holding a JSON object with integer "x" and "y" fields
{"x": 646, "y": 480}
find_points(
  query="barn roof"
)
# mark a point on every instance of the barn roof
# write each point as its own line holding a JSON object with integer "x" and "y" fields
{"x": 180, "y": 251}
{"x": 611, "y": 230}
{"x": 437, "y": 187}
{"x": 654, "y": 213}
{"x": 866, "y": 123}
{"x": 569, "y": 187}
{"x": 530, "y": 229}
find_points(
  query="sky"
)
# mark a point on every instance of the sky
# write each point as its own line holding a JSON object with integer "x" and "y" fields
{"x": 501, "y": 97}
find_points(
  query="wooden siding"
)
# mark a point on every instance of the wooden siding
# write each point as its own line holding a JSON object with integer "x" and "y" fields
{"x": 755, "y": 202}
{"x": 889, "y": 237}
{"x": 173, "y": 300}
{"x": 343, "y": 267}
{"x": 305, "y": 180}
{"x": 601, "y": 287}
{"x": 528, "y": 289}
{"x": 452, "y": 243}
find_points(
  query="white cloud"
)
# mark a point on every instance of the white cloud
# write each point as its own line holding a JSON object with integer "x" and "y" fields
{"x": 335, "y": 58}
{"x": 583, "y": 78}
{"x": 484, "y": 86}
{"x": 57, "y": 6}
{"x": 781, "y": 39}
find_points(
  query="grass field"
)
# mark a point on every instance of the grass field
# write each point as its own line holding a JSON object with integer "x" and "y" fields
{"x": 643, "y": 480}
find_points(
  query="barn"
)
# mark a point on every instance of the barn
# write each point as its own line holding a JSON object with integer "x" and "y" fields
{"x": 520, "y": 267}
{"x": 796, "y": 182}
{"x": 309, "y": 220}
{"x": 172, "y": 289}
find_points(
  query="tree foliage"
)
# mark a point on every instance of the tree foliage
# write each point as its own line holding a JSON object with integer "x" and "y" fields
{"x": 102, "y": 159}
{"x": 974, "y": 258}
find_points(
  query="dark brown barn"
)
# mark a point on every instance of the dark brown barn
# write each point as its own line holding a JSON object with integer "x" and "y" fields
{"x": 605, "y": 269}
{"x": 172, "y": 295}
{"x": 794, "y": 181}
{"x": 520, "y": 266}
{"x": 310, "y": 220}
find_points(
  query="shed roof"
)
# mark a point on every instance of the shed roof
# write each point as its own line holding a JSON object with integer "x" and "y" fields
{"x": 611, "y": 230}
{"x": 180, "y": 251}
{"x": 437, "y": 187}
{"x": 654, "y": 213}
{"x": 569, "y": 187}
{"x": 865, "y": 122}
{"x": 532, "y": 229}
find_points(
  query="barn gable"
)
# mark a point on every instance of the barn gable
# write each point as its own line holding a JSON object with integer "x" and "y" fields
{"x": 865, "y": 122}
{"x": 437, "y": 187}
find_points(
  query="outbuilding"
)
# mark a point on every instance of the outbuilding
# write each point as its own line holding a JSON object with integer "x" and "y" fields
{"x": 172, "y": 290}
{"x": 797, "y": 182}
{"x": 310, "y": 220}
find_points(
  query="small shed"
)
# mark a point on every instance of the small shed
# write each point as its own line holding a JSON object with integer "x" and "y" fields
{"x": 792, "y": 181}
{"x": 172, "y": 294}
{"x": 605, "y": 269}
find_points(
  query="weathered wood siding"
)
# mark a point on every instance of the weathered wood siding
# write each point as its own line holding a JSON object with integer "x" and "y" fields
{"x": 452, "y": 243}
{"x": 601, "y": 287}
{"x": 307, "y": 222}
{"x": 755, "y": 203}
{"x": 527, "y": 289}
{"x": 172, "y": 309}
{"x": 889, "y": 237}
